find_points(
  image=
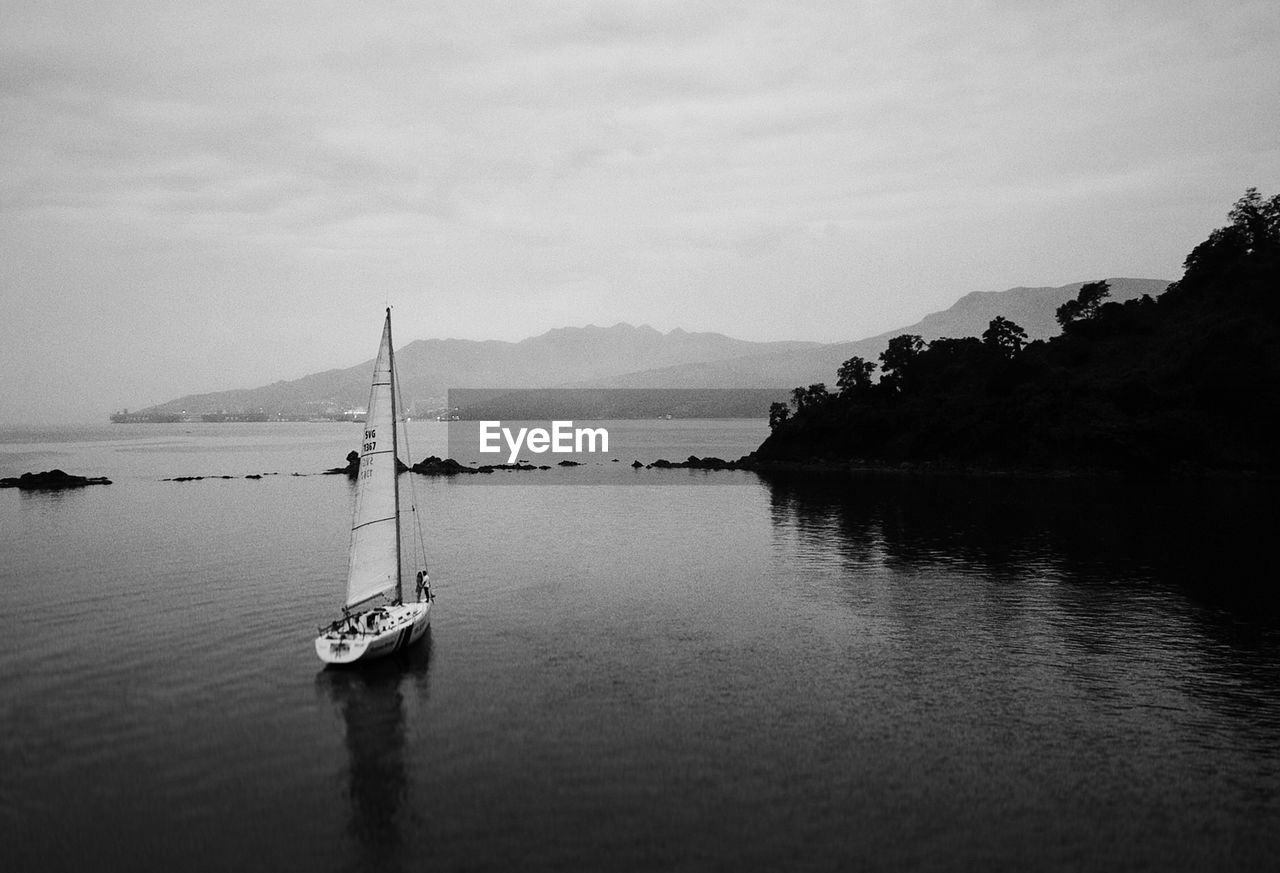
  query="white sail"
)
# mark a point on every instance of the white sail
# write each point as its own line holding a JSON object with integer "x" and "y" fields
{"x": 375, "y": 538}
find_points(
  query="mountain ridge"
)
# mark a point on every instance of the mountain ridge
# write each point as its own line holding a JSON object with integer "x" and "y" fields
{"x": 1031, "y": 307}
{"x": 626, "y": 356}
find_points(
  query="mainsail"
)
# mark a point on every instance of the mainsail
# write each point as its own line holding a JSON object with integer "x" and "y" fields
{"x": 375, "y": 528}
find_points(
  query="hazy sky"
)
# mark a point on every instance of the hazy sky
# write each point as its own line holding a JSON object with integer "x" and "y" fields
{"x": 198, "y": 196}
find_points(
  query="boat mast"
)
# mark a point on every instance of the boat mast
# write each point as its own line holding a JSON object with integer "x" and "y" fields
{"x": 395, "y": 459}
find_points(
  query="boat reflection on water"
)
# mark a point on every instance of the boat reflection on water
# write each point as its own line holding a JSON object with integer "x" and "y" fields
{"x": 372, "y": 700}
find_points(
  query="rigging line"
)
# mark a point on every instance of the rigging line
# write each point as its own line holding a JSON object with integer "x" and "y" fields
{"x": 419, "y": 540}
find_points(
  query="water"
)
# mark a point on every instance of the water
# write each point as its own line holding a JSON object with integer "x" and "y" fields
{"x": 669, "y": 669}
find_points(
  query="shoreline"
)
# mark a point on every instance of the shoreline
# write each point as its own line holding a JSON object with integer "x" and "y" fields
{"x": 933, "y": 468}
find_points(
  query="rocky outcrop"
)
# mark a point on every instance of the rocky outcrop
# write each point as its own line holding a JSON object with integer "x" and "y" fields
{"x": 351, "y": 469}
{"x": 51, "y": 480}
{"x": 435, "y": 466}
{"x": 693, "y": 462}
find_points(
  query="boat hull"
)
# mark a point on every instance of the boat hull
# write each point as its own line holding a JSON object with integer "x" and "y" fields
{"x": 375, "y": 633}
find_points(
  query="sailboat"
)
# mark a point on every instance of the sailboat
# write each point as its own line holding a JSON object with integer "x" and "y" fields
{"x": 377, "y": 619}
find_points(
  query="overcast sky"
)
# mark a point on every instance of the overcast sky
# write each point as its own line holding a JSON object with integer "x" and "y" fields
{"x": 198, "y": 196}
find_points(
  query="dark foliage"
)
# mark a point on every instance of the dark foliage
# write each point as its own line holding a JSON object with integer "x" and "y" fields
{"x": 1004, "y": 336}
{"x": 778, "y": 413}
{"x": 855, "y": 375}
{"x": 1084, "y": 307}
{"x": 1190, "y": 380}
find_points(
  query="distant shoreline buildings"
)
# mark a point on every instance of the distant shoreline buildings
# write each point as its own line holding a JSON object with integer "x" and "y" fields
{"x": 229, "y": 417}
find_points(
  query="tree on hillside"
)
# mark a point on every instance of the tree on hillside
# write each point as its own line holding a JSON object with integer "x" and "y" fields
{"x": 896, "y": 360}
{"x": 943, "y": 361}
{"x": 1254, "y": 231}
{"x": 808, "y": 398}
{"x": 946, "y": 348}
{"x": 1086, "y": 304}
{"x": 853, "y": 375}
{"x": 778, "y": 413}
{"x": 1004, "y": 336}
{"x": 1256, "y": 220}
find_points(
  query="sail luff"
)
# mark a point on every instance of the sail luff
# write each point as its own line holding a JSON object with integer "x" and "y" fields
{"x": 374, "y": 566}
{"x": 395, "y": 455}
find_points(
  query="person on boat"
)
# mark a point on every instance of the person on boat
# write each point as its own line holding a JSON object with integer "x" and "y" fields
{"x": 424, "y": 585}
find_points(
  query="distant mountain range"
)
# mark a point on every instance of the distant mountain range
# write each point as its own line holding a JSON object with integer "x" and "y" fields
{"x": 1031, "y": 308}
{"x": 624, "y": 356}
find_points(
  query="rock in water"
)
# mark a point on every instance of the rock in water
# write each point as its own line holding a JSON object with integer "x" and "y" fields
{"x": 52, "y": 480}
{"x": 352, "y": 469}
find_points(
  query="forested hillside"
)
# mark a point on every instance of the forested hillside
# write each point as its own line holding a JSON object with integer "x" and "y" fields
{"x": 1186, "y": 381}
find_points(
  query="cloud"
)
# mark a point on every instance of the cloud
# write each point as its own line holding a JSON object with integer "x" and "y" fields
{"x": 683, "y": 163}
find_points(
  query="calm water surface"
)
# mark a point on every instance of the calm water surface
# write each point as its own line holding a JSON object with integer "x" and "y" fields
{"x": 631, "y": 670}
